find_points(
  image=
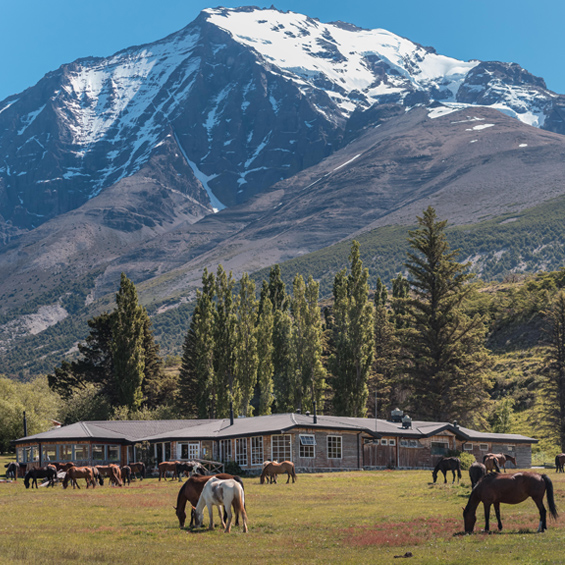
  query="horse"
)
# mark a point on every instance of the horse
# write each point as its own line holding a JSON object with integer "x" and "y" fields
{"x": 64, "y": 466}
{"x": 138, "y": 467}
{"x": 126, "y": 474}
{"x": 273, "y": 477}
{"x": 274, "y": 468}
{"x": 559, "y": 463}
{"x": 48, "y": 472}
{"x": 12, "y": 470}
{"x": 191, "y": 491}
{"x": 495, "y": 488}
{"x": 491, "y": 463}
{"x": 226, "y": 493}
{"x": 74, "y": 473}
{"x": 502, "y": 458}
{"x": 112, "y": 472}
{"x": 476, "y": 472}
{"x": 167, "y": 467}
{"x": 447, "y": 464}
{"x": 97, "y": 476}
{"x": 189, "y": 469}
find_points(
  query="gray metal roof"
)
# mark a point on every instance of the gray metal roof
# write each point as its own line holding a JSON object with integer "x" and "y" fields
{"x": 130, "y": 431}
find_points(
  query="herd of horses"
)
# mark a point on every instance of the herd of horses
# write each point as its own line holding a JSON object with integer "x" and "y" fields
{"x": 489, "y": 486}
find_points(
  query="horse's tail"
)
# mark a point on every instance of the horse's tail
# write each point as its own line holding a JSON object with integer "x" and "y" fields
{"x": 550, "y": 499}
{"x": 238, "y": 503}
{"x": 484, "y": 458}
{"x": 557, "y": 463}
{"x": 263, "y": 475}
{"x": 458, "y": 468}
{"x": 293, "y": 472}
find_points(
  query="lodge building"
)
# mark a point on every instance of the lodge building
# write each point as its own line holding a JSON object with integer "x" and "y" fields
{"x": 314, "y": 443}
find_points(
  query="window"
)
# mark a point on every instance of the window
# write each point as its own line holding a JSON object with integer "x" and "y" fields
{"x": 65, "y": 453}
{"x": 307, "y": 446}
{"x": 384, "y": 442}
{"x": 439, "y": 447}
{"x": 241, "y": 451}
{"x": 190, "y": 451}
{"x": 468, "y": 447}
{"x": 511, "y": 448}
{"x": 409, "y": 443}
{"x": 225, "y": 450}
{"x": 257, "y": 451}
{"x": 483, "y": 446}
{"x": 334, "y": 447}
{"x": 392, "y": 442}
{"x": 81, "y": 452}
{"x": 113, "y": 453}
{"x": 281, "y": 448}
{"x": 49, "y": 453}
{"x": 98, "y": 453}
{"x": 20, "y": 455}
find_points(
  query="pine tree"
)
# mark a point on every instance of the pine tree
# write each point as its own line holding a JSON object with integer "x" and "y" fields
{"x": 246, "y": 360}
{"x": 157, "y": 389}
{"x": 445, "y": 349}
{"x": 265, "y": 355}
{"x": 127, "y": 345}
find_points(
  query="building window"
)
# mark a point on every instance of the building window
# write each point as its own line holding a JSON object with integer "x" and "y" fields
{"x": 113, "y": 453}
{"x": 190, "y": 451}
{"x": 439, "y": 447}
{"x": 49, "y": 453}
{"x": 65, "y": 453}
{"x": 511, "y": 448}
{"x": 334, "y": 447}
{"x": 19, "y": 455}
{"x": 409, "y": 443}
{"x": 483, "y": 446}
{"x": 392, "y": 442}
{"x": 225, "y": 450}
{"x": 241, "y": 451}
{"x": 257, "y": 450}
{"x": 81, "y": 453}
{"x": 281, "y": 448}
{"x": 468, "y": 447}
{"x": 384, "y": 442}
{"x": 307, "y": 446}
{"x": 98, "y": 453}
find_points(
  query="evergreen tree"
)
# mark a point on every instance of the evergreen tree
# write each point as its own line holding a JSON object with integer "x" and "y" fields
{"x": 277, "y": 292}
{"x": 246, "y": 360}
{"x": 309, "y": 377}
{"x": 157, "y": 389}
{"x": 127, "y": 345}
{"x": 353, "y": 337}
{"x": 196, "y": 394}
{"x": 265, "y": 355}
{"x": 445, "y": 347}
{"x": 284, "y": 362}
{"x": 400, "y": 295}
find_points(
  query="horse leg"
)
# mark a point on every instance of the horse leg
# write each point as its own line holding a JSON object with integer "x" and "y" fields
{"x": 288, "y": 477}
{"x": 542, "y": 515}
{"x": 453, "y": 471}
{"x": 444, "y": 476}
{"x": 497, "y": 512}
{"x": 487, "y": 516}
{"x": 228, "y": 523}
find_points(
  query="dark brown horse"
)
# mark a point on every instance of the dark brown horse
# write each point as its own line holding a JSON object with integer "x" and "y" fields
{"x": 502, "y": 459}
{"x": 138, "y": 467}
{"x": 167, "y": 467}
{"x": 559, "y": 463}
{"x": 126, "y": 474}
{"x": 49, "y": 472}
{"x": 12, "y": 470}
{"x": 190, "y": 492}
{"x": 447, "y": 464}
{"x": 509, "y": 489}
{"x": 476, "y": 472}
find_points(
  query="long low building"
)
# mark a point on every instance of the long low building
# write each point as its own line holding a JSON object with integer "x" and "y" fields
{"x": 313, "y": 442}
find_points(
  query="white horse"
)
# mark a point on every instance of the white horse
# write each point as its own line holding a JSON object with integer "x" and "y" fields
{"x": 225, "y": 493}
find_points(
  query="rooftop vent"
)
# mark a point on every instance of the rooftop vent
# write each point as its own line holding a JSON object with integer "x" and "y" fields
{"x": 298, "y": 411}
{"x": 396, "y": 415}
{"x": 307, "y": 412}
{"x": 406, "y": 422}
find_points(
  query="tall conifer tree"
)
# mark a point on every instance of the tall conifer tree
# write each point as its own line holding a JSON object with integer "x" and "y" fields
{"x": 265, "y": 355}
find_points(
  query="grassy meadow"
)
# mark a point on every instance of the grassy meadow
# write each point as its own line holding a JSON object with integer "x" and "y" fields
{"x": 362, "y": 517}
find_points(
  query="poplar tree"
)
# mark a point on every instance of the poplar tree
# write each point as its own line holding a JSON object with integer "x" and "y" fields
{"x": 353, "y": 337}
{"x": 265, "y": 355}
{"x": 277, "y": 292}
{"x": 284, "y": 362}
{"x": 127, "y": 345}
{"x": 246, "y": 360}
{"x": 446, "y": 357}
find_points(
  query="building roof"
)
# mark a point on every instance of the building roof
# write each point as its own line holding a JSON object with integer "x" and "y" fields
{"x": 132, "y": 431}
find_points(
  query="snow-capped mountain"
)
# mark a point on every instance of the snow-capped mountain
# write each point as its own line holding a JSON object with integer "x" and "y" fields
{"x": 244, "y": 97}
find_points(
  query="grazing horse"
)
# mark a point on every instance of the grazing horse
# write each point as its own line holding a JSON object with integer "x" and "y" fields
{"x": 138, "y": 467}
{"x": 112, "y": 472}
{"x": 274, "y": 468}
{"x": 190, "y": 492}
{"x": 273, "y": 477}
{"x": 167, "y": 467}
{"x": 476, "y": 472}
{"x": 447, "y": 464}
{"x": 502, "y": 458}
{"x": 509, "y": 489}
{"x": 48, "y": 472}
{"x": 97, "y": 476}
{"x": 64, "y": 466}
{"x": 12, "y": 470}
{"x": 559, "y": 463}
{"x": 74, "y": 473}
{"x": 491, "y": 463}
{"x": 189, "y": 469}
{"x": 126, "y": 474}
{"x": 227, "y": 493}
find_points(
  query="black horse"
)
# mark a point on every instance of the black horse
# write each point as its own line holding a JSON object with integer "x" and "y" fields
{"x": 192, "y": 467}
{"x": 476, "y": 472}
{"x": 12, "y": 470}
{"x": 447, "y": 464}
{"x": 48, "y": 472}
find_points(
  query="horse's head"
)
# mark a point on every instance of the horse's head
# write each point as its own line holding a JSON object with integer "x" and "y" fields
{"x": 198, "y": 518}
{"x": 26, "y": 480}
{"x": 181, "y": 515}
{"x": 434, "y": 475}
{"x": 469, "y": 518}
{"x": 66, "y": 480}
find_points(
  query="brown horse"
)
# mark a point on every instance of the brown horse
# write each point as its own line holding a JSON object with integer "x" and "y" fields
{"x": 491, "y": 464}
{"x": 138, "y": 467}
{"x": 64, "y": 466}
{"x": 167, "y": 467}
{"x": 502, "y": 459}
{"x": 190, "y": 492}
{"x": 126, "y": 474}
{"x": 476, "y": 472}
{"x": 509, "y": 489}
{"x": 74, "y": 473}
{"x": 274, "y": 468}
{"x": 447, "y": 464}
{"x": 559, "y": 463}
{"x": 112, "y": 472}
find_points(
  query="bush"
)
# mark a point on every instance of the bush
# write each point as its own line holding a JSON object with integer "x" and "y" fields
{"x": 466, "y": 458}
{"x": 233, "y": 468}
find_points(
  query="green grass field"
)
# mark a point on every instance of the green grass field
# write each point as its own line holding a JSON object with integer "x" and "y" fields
{"x": 364, "y": 517}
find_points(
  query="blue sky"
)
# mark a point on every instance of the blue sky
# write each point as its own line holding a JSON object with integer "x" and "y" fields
{"x": 37, "y": 36}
